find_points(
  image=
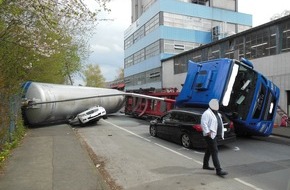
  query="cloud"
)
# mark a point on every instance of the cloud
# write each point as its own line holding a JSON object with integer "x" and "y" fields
{"x": 100, "y": 48}
{"x": 108, "y": 39}
{"x": 262, "y": 10}
{"x": 118, "y": 48}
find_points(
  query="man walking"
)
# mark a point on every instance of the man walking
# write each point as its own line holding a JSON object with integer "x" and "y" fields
{"x": 213, "y": 128}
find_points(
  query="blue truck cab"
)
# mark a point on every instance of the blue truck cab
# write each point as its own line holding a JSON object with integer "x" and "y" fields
{"x": 246, "y": 96}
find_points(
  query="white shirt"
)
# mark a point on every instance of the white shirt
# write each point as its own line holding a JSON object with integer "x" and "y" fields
{"x": 209, "y": 123}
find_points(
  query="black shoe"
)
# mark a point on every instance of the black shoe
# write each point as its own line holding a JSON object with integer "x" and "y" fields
{"x": 221, "y": 173}
{"x": 207, "y": 168}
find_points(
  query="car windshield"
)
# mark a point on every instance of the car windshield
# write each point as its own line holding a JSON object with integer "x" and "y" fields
{"x": 92, "y": 111}
{"x": 240, "y": 89}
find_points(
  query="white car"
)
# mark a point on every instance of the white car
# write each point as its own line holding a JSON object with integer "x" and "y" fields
{"x": 93, "y": 114}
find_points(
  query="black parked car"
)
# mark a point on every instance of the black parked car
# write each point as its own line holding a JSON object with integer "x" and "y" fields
{"x": 183, "y": 126}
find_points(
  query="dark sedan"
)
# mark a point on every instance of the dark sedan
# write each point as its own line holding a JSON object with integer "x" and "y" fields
{"x": 183, "y": 126}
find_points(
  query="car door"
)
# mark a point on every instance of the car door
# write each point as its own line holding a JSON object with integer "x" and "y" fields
{"x": 172, "y": 125}
{"x": 165, "y": 125}
{"x": 161, "y": 126}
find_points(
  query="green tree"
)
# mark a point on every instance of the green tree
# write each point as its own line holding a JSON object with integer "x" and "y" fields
{"x": 93, "y": 76}
{"x": 120, "y": 73}
{"x": 44, "y": 40}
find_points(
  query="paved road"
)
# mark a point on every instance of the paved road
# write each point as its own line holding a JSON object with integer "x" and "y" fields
{"x": 135, "y": 160}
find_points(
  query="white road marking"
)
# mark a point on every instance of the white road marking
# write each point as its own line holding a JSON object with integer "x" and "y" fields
{"x": 169, "y": 149}
{"x": 247, "y": 184}
{"x": 198, "y": 162}
{"x": 199, "y": 152}
{"x": 126, "y": 130}
{"x": 236, "y": 148}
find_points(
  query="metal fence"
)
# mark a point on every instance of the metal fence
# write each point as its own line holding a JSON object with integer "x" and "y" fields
{"x": 10, "y": 111}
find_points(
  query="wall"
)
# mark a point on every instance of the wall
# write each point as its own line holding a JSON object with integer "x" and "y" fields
{"x": 277, "y": 69}
{"x": 169, "y": 80}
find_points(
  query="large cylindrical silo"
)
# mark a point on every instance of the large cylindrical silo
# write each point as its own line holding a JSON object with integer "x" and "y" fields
{"x": 50, "y": 103}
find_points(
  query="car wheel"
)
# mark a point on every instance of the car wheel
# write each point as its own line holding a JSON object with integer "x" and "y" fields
{"x": 153, "y": 131}
{"x": 185, "y": 141}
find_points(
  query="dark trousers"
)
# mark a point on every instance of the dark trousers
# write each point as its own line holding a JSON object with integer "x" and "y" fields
{"x": 211, "y": 150}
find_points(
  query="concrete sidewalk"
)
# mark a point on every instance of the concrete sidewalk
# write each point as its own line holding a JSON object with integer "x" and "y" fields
{"x": 51, "y": 158}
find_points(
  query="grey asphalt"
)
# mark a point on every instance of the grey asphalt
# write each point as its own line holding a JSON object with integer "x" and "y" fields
{"x": 51, "y": 158}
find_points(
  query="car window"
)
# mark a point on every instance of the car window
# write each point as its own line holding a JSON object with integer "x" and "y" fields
{"x": 167, "y": 116}
{"x": 174, "y": 117}
{"x": 179, "y": 117}
{"x": 90, "y": 112}
{"x": 170, "y": 117}
{"x": 189, "y": 118}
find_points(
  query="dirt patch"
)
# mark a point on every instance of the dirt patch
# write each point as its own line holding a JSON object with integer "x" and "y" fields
{"x": 100, "y": 164}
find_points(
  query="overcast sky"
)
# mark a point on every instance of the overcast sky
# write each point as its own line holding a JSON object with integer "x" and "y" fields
{"x": 107, "y": 43}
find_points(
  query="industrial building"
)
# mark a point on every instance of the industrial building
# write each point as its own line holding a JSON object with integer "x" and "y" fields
{"x": 161, "y": 29}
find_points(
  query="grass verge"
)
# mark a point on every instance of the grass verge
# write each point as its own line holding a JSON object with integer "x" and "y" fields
{"x": 12, "y": 143}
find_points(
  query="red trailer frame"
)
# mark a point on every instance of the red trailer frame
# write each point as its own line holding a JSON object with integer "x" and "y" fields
{"x": 143, "y": 107}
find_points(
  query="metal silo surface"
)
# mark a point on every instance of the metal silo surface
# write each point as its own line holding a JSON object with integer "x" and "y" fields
{"x": 51, "y": 103}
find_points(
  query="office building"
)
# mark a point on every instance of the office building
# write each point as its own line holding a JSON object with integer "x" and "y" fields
{"x": 161, "y": 29}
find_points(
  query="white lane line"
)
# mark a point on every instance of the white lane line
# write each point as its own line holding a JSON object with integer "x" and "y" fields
{"x": 154, "y": 143}
{"x": 169, "y": 149}
{"x": 198, "y": 162}
{"x": 198, "y": 152}
{"x": 247, "y": 184}
{"x": 128, "y": 131}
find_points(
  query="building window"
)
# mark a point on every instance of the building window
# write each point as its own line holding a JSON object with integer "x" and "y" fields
{"x": 214, "y": 52}
{"x": 196, "y": 56}
{"x": 240, "y": 47}
{"x": 176, "y": 47}
{"x": 285, "y": 30}
{"x": 150, "y": 76}
{"x": 272, "y": 40}
{"x": 180, "y": 64}
{"x": 128, "y": 61}
{"x": 139, "y": 56}
{"x": 152, "y": 50}
{"x": 128, "y": 42}
{"x": 187, "y": 22}
{"x": 152, "y": 24}
{"x": 138, "y": 34}
{"x": 199, "y": 2}
{"x": 261, "y": 43}
{"x": 153, "y": 75}
{"x": 250, "y": 41}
